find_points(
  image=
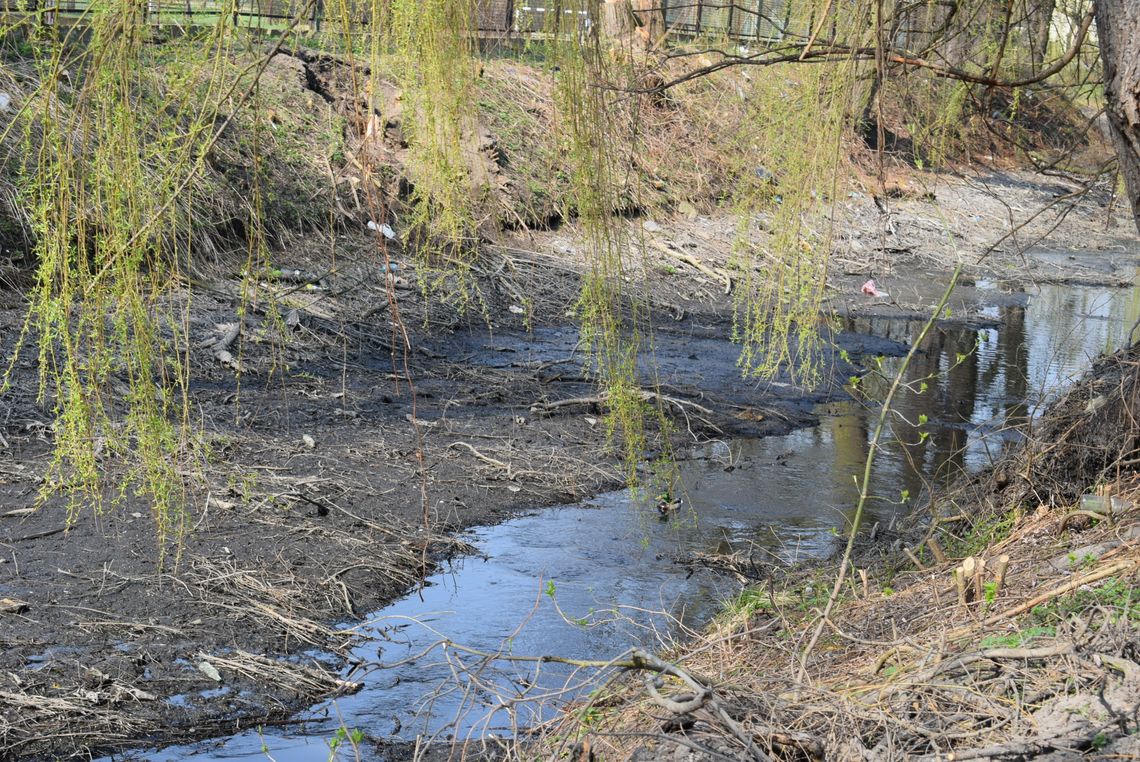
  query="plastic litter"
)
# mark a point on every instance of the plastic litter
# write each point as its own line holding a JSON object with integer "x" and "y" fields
{"x": 870, "y": 289}
{"x": 383, "y": 228}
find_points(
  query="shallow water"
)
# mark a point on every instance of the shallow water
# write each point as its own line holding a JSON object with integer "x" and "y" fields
{"x": 589, "y": 581}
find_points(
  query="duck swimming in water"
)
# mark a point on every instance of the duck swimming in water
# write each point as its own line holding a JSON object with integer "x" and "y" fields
{"x": 667, "y": 504}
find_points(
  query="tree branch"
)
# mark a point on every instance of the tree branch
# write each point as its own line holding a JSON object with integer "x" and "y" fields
{"x": 807, "y": 54}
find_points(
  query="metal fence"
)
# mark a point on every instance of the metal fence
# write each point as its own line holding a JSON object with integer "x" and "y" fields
{"x": 742, "y": 19}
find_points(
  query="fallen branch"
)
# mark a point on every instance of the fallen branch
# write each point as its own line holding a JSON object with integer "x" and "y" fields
{"x": 221, "y": 349}
{"x": 507, "y": 469}
{"x": 314, "y": 681}
{"x": 1026, "y": 749}
{"x": 695, "y": 263}
{"x": 38, "y": 535}
{"x": 702, "y": 697}
{"x": 995, "y": 654}
{"x": 600, "y": 399}
{"x": 486, "y": 459}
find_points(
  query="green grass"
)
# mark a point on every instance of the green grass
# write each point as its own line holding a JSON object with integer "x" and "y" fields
{"x": 747, "y": 602}
{"x": 1116, "y": 595}
{"x": 1017, "y": 639}
{"x": 982, "y": 534}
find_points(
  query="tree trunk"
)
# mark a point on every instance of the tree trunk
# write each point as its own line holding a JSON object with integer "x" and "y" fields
{"x": 1039, "y": 20}
{"x": 627, "y": 18}
{"x": 617, "y": 19}
{"x": 652, "y": 17}
{"x": 1118, "y": 31}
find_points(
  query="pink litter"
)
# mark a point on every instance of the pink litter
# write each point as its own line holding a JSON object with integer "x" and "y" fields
{"x": 870, "y": 290}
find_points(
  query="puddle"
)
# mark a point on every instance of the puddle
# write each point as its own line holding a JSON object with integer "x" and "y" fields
{"x": 590, "y": 581}
{"x": 49, "y": 655}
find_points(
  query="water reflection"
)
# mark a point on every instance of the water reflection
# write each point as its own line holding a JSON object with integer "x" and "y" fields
{"x": 976, "y": 386}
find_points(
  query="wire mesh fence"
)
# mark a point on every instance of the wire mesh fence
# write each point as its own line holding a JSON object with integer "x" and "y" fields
{"x": 744, "y": 19}
{"x": 764, "y": 20}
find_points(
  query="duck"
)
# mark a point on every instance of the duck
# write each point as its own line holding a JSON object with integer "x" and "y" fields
{"x": 667, "y": 504}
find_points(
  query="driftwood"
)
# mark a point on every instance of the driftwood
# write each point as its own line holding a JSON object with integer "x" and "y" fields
{"x": 936, "y": 550}
{"x": 693, "y": 262}
{"x": 221, "y": 349}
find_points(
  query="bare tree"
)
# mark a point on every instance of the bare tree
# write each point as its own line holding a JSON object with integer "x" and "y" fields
{"x": 1118, "y": 30}
{"x": 1039, "y": 22}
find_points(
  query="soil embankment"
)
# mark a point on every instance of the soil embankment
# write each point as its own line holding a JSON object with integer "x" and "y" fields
{"x": 338, "y": 465}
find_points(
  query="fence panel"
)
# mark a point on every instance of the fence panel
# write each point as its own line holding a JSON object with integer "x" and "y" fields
{"x": 495, "y": 15}
{"x": 683, "y": 15}
{"x": 741, "y": 19}
{"x": 773, "y": 16}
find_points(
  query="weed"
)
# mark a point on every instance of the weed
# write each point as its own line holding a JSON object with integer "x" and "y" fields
{"x": 590, "y": 716}
{"x": 432, "y": 44}
{"x": 1082, "y": 562}
{"x": 983, "y": 533}
{"x": 1114, "y": 594}
{"x": 344, "y": 737}
{"x": 1017, "y": 639}
{"x": 748, "y": 602}
{"x": 112, "y": 175}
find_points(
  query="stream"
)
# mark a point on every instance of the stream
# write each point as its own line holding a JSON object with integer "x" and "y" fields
{"x": 591, "y": 580}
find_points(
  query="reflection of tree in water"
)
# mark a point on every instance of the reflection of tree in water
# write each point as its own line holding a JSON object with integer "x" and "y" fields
{"x": 948, "y": 402}
{"x": 982, "y": 385}
{"x": 1011, "y": 365}
{"x": 849, "y": 434}
{"x": 967, "y": 385}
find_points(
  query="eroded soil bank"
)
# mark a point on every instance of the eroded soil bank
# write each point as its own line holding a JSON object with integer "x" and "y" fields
{"x": 331, "y": 488}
